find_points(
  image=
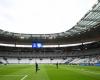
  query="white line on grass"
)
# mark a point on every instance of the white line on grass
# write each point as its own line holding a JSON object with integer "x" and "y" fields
{"x": 23, "y": 77}
{"x": 83, "y": 70}
{"x": 90, "y": 72}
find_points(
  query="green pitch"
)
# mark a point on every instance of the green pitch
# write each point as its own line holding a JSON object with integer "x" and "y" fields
{"x": 48, "y": 72}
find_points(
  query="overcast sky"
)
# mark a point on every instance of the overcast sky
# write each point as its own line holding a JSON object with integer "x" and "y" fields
{"x": 42, "y": 16}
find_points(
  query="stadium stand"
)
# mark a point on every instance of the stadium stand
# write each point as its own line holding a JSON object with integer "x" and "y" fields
{"x": 17, "y": 47}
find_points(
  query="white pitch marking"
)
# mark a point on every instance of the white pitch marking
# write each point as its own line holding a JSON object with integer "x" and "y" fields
{"x": 23, "y": 77}
{"x": 90, "y": 72}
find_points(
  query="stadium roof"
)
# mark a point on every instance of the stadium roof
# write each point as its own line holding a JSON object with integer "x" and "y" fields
{"x": 87, "y": 24}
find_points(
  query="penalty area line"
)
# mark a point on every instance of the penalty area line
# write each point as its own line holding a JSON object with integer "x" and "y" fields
{"x": 24, "y": 77}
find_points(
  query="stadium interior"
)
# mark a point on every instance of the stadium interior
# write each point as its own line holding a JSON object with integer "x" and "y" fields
{"x": 70, "y": 55}
{"x": 78, "y": 45}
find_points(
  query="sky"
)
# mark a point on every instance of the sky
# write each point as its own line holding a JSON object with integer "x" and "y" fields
{"x": 42, "y": 16}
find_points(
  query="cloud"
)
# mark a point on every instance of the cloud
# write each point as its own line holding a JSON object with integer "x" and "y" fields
{"x": 7, "y": 3}
{"x": 42, "y": 16}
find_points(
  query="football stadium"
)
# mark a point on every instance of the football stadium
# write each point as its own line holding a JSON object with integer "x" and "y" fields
{"x": 73, "y": 54}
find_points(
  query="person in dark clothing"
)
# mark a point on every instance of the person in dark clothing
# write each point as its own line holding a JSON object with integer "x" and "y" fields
{"x": 57, "y": 65}
{"x": 36, "y": 66}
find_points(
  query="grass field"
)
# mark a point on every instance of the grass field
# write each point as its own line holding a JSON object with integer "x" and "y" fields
{"x": 48, "y": 72}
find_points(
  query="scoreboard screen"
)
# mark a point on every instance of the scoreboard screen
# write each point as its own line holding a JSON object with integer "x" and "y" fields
{"x": 37, "y": 45}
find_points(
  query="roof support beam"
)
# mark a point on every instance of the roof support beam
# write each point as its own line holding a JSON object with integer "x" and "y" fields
{"x": 75, "y": 30}
{"x": 94, "y": 20}
{"x": 84, "y": 25}
{"x": 95, "y": 11}
{"x": 80, "y": 28}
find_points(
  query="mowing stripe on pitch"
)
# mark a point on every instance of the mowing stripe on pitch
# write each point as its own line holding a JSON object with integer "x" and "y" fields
{"x": 11, "y": 75}
{"x": 23, "y": 77}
